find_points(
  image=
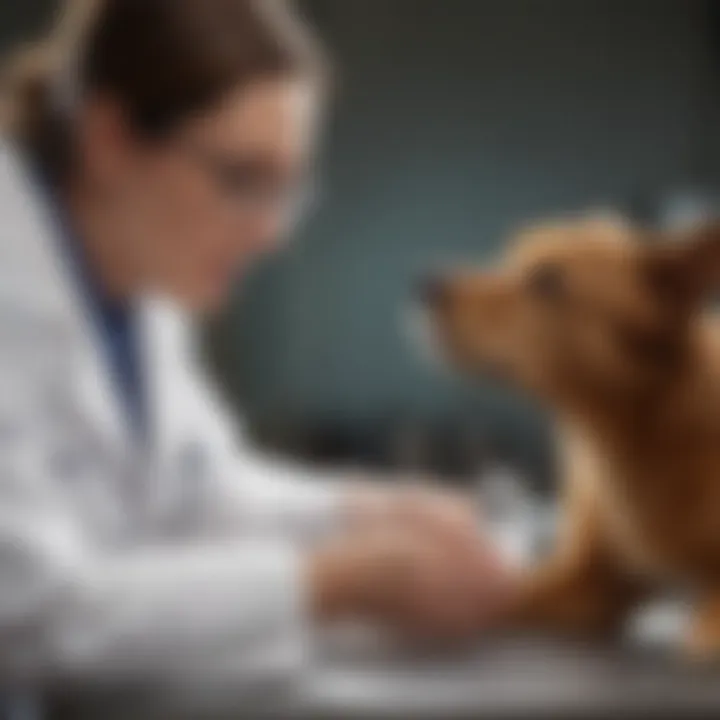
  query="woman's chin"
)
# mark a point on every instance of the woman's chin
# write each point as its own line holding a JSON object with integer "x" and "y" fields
{"x": 206, "y": 298}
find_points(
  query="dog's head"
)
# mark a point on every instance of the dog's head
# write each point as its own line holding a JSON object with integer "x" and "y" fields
{"x": 589, "y": 304}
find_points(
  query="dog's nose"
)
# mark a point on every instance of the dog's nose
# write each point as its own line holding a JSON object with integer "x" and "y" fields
{"x": 432, "y": 289}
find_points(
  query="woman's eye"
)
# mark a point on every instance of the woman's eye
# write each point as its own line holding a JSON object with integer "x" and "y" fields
{"x": 547, "y": 281}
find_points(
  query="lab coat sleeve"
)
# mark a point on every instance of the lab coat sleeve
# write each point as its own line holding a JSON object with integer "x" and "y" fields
{"x": 71, "y": 610}
{"x": 267, "y": 493}
{"x": 256, "y": 492}
{"x": 162, "y": 617}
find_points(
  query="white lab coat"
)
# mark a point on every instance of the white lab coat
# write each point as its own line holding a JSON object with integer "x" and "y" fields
{"x": 118, "y": 561}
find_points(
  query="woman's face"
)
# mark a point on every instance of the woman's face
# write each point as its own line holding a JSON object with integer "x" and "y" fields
{"x": 196, "y": 209}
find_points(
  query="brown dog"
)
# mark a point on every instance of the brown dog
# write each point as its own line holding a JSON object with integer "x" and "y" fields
{"x": 607, "y": 325}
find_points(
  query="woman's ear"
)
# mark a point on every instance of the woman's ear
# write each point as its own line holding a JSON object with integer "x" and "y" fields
{"x": 685, "y": 268}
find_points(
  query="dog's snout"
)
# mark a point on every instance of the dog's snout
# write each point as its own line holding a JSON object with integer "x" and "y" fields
{"x": 432, "y": 289}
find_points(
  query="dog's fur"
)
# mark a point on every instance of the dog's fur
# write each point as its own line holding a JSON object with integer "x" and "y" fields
{"x": 608, "y": 325}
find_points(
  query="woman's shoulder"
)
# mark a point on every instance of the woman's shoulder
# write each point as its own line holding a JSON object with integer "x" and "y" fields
{"x": 31, "y": 276}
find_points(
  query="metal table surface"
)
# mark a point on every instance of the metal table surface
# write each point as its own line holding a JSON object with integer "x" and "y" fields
{"x": 503, "y": 679}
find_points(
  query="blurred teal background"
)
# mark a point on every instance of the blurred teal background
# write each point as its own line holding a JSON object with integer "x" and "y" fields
{"x": 456, "y": 120}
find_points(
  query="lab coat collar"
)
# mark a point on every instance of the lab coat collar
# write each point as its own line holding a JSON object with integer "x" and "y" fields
{"x": 167, "y": 342}
{"x": 35, "y": 257}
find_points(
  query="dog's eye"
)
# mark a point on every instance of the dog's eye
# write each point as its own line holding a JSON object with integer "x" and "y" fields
{"x": 547, "y": 281}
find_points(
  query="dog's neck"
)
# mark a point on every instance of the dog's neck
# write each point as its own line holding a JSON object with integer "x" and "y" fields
{"x": 683, "y": 401}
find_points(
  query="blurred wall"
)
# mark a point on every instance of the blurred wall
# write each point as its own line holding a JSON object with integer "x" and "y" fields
{"x": 457, "y": 119}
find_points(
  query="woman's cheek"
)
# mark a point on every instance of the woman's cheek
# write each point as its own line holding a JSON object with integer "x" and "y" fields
{"x": 264, "y": 235}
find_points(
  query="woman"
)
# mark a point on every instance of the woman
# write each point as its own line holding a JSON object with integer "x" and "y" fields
{"x": 155, "y": 149}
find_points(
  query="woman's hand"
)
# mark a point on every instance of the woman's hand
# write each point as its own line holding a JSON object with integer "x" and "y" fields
{"x": 424, "y": 509}
{"x": 427, "y": 579}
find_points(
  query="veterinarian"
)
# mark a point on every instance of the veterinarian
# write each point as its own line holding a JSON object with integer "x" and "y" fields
{"x": 153, "y": 150}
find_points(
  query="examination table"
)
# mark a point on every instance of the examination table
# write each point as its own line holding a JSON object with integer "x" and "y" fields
{"x": 503, "y": 679}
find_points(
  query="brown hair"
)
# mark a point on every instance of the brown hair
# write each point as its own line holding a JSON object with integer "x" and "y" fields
{"x": 164, "y": 60}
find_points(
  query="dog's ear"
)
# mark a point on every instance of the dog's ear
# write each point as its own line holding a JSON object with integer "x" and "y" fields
{"x": 685, "y": 268}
